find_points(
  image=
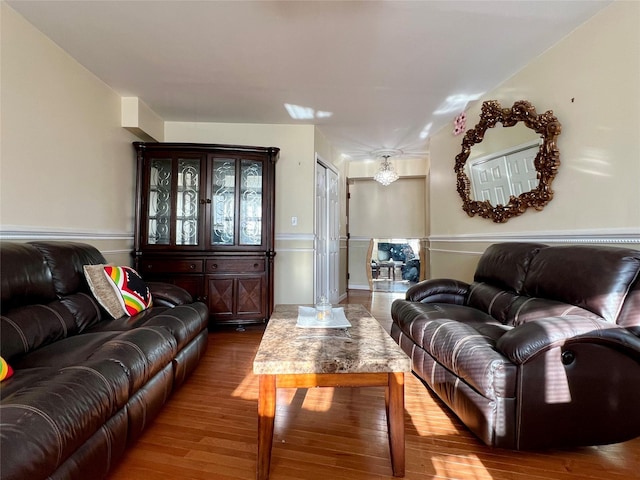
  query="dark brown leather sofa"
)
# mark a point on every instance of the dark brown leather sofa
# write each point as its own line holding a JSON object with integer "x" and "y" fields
{"x": 541, "y": 350}
{"x": 85, "y": 385}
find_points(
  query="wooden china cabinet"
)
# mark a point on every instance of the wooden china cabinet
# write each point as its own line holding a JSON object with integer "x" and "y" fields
{"x": 205, "y": 222}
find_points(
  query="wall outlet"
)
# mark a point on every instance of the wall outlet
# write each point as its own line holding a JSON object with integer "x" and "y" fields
{"x": 294, "y": 221}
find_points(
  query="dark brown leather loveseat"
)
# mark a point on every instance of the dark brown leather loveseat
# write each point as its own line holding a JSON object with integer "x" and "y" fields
{"x": 541, "y": 350}
{"x": 85, "y": 384}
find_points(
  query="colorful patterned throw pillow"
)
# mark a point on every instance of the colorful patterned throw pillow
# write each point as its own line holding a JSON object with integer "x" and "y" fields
{"x": 103, "y": 290}
{"x": 5, "y": 370}
{"x": 133, "y": 293}
{"x": 119, "y": 290}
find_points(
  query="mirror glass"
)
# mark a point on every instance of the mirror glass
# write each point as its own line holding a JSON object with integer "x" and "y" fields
{"x": 508, "y": 161}
{"x": 503, "y": 164}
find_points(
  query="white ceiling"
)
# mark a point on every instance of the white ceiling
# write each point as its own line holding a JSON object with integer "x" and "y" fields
{"x": 373, "y": 74}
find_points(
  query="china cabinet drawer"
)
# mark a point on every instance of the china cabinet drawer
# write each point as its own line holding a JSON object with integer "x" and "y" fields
{"x": 172, "y": 266}
{"x": 236, "y": 265}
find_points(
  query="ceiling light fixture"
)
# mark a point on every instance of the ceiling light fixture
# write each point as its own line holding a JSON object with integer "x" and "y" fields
{"x": 386, "y": 175}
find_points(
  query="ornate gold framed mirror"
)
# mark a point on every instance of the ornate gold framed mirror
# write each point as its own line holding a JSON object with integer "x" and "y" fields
{"x": 516, "y": 172}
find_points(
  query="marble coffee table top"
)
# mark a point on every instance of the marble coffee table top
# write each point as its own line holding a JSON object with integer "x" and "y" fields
{"x": 365, "y": 347}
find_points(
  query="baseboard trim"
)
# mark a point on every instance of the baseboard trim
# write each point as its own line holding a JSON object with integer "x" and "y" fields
{"x": 358, "y": 287}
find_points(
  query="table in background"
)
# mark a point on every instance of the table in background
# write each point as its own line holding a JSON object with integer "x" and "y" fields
{"x": 391, "y": 268}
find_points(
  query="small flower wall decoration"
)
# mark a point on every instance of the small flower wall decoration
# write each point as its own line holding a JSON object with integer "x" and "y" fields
{"x": 460, "y": 124}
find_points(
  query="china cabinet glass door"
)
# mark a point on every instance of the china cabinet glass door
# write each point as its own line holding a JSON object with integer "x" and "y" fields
{"x": 250, "y": 202}
{"x": 223, "y": 208}
{"x": 159, "y": 202}
{"x": 237, "y": 203}
{"x": 173, "y": 201}
{"x": 188, "y": 196}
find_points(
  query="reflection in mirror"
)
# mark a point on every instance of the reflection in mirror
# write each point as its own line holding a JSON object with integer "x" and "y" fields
{"x": 503, "y": 164}
{"x": 510, "y": 168}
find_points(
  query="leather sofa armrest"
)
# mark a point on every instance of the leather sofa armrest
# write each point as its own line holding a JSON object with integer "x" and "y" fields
{"x": 168, "y": 295}
{"x": 438, "y": 290}
{"x": 524, "y": 342}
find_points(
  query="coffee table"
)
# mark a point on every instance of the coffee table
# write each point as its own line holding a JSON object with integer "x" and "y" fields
{"x": 361, "y": 356}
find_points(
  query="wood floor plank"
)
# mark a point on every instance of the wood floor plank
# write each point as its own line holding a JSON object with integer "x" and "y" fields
{"x": 208, "y": 430}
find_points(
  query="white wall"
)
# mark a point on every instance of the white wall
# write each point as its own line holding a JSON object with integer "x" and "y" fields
{"x": 67, "y": 167}
{"x": 394, "y": 211}
{"x": 591, "y": 80}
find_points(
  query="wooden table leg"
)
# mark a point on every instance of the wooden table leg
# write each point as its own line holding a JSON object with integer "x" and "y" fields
{"x": 395, "y": 421}
{"x": 266, "y": 416}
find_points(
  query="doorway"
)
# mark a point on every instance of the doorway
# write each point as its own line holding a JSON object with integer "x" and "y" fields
{"x": 393, "y": 264}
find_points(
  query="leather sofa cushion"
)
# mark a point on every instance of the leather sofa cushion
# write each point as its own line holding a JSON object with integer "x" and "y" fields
{"x": 66, "y": 261}
{"x": 25, "y": 278}
{"x": 54, "y": 415}
{"x": 492, "y": 300}
{"x": 182, "y": 322}
{"x": 140, "y": 353}
{"x": 465, "y": 346}
{"x": 594, "y": 278}
{"x": 30, "y": 327}
{"x": 85, "y": 310}
{"x": 441, "y": 290}
{"x": 168, "y": 295}
{"x": 505, "y": 264}
{"x": 630, "y": 315}
{"x": 526, "y": 309}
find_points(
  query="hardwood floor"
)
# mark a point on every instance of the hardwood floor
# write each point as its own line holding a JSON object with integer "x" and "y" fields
{"x": 208, "y": 430}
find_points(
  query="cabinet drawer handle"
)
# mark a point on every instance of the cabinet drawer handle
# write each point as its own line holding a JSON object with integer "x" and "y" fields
{"x": 255, "y": 265}
{"x": 215, "y": 265}
{"x": 150, "y": 266}
{"x": 192, "y": 266}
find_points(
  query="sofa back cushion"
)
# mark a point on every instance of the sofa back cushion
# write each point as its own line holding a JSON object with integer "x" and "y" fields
{"x": 44, "y": 294}
{"x": 526, "y": 309}
{"x": 492, "y": 300}
{"x": 595, "y": 278}
{"x": 25, "y": 277}
{"x": 505, "y": 265}
{"x": 66, "y": 261}
{"x": 32, "y": 315}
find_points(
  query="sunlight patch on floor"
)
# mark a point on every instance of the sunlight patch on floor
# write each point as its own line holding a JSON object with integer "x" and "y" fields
{"x": 455, "y": 466}
{"x": 319, "y": 401}
{"x": 248, "y": 388}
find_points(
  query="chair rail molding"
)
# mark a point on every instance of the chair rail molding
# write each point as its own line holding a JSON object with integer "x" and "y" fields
{"x": 294, "y": 236}
{"x": 19, "y": 232}
{"x": 286, "y": 242}
{"x": 600, "y": 236}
